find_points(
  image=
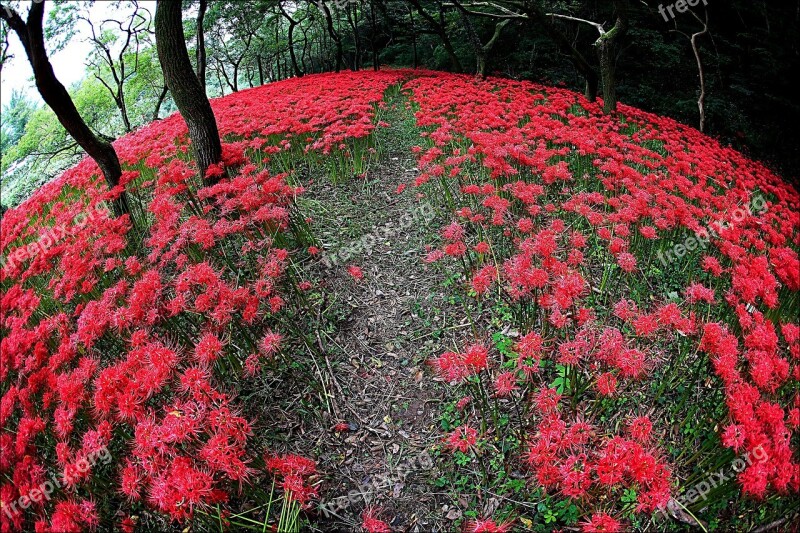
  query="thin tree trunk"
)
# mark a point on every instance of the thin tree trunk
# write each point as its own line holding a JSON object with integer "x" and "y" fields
{"x": 201, "y": 45}
{"x": 700, "y": 71}
{"x": 578, "y": 60}
{"x": 304, "y": 53}
{"x": 123, "y": 109}
{"x": 375, "y": 65}
{"x": 219, "y": 82}
{"x": 292, "y": 23}
{"x": 354, "y": 26}
{"x": 439, "y": 28}
{"x": 160, "y": 102}
{"x": 334, "y": 36}
{"x": 189, "y": 96}
{"x": 235, "y": 77}
{"x": 474, "y": 40}
{"x": 702, "y": 98}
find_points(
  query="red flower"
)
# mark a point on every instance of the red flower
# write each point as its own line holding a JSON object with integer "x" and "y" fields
{"x": 462, "y": 438}
{"x": 486, "y": 525}
{"x": 355, "y": 272}
{"x": 601, "y": 523}
{"x": 505, "y": 384}
{"x": 371, "y": 524}
{"x": 607, "y": 384}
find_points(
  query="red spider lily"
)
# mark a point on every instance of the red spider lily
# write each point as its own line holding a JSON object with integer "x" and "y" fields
{"x": 454, "y": 367}
{"x": 601, "y": 523}
{"x": 103, "y": 347}
{"x": 355, "y": 272}
{"x": 296, "y": 472}
{"x": 607, "y": 384}
{"x": 372, "y": 524}
{"x": 505, "y": 384}
{"x": 640, "y": 429}
{"x": 462, "y": 439}
{"x": 486, "y": 525}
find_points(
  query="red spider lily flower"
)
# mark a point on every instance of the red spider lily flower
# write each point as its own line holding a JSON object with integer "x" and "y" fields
{"x": 462, "y": 438}
{"x": 483, "y": 279}
{"x": 355, "y": 272}
{"x": 640, "y": 428}
{"x": 627, "y": 262}
{"x": 455, "y": 367}
{"x": 486, "y": 525}
{"x": 601, "y": 523}
{"x": 296, "y": 472}
{"x": 505, "y": 384}
{"x": 341, "y": 427}
{"x": 607, "y": 384}
{"x": 463, "y": 403}
{"x": 482, "y": 247}
{"x": 547, "y": 400}
{"x": 734, "y": 436}
{"x": 372, "y": 524}
{"x": 697, "y": 293}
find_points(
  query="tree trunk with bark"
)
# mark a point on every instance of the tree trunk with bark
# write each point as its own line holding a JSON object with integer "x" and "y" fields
{"x": 189, "y": 96}
{"x": 561, "y": 40}
{"x": 439, "y": 29}
{"x": 335, "y": 37}
{"x": 607, "y": 54}
{"x": 201, "y": 45}
{"x": 160, "y": 102}
{"x": 292, "y": 23}
{"x": 352, "y": 14}
{"x": 373, "y": 35}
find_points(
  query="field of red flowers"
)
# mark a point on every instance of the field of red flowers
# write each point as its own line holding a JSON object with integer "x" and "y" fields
{"x": 631, "y": 289}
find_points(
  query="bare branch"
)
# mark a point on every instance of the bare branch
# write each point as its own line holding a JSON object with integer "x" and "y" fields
{"x": 598, "y": 26}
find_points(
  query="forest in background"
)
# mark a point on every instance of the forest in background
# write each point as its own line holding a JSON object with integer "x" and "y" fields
{"x": 747, "y": 53}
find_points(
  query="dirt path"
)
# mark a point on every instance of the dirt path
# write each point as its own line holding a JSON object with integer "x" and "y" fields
{"x": 390, "y": 323}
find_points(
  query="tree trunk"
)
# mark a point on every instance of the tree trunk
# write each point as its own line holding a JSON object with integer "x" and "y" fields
{"x": 292, "y": 23}
{"x": 189, "y": 96}
{"x": 219, "y": 82}
{"x": 607, "y": 51}
{"x": 413, "y": 37}
{"x": 159, "y": 102}
{"x": 235, "y": 78}
{"x": 201, "y": 45}
{"x": 580, "y": 63}
{"x": 474, "y": 41}
{"x": 260, "y": 71}
{"x": 334, "y": 36}
{"x": 123, "y": 109}
{"x": 354, "y": 26}
{"x": 440, "y": 30}
{"x": 54, "y": 94}
{"x": 304, "y": 53}
{"x": 373, "y": 23}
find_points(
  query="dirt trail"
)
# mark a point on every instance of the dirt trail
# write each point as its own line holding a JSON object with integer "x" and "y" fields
{"x": 391, "y": 322}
